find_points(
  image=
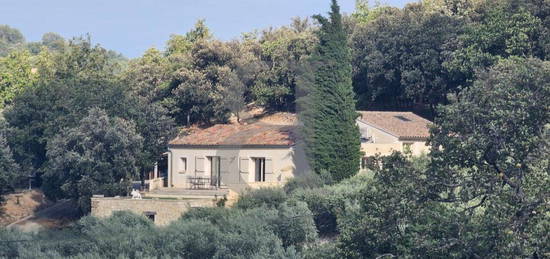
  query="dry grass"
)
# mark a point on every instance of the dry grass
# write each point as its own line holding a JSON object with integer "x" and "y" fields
{"x": 22, "y": 204}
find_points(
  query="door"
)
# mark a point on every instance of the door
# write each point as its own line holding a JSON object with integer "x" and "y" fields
{"x": 215, "y": 176}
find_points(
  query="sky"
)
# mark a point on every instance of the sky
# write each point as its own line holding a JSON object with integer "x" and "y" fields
{"x": 132, "y": 26}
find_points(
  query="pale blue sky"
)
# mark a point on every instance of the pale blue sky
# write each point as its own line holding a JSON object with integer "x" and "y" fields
{"x": 132, "y": 26}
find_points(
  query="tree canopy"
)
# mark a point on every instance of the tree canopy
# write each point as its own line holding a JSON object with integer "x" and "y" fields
{"x": 96, "y": 157}
{"x": 85, "y": 120}
{"x": 332, "y": 139}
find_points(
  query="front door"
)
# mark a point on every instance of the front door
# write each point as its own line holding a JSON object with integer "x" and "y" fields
{"x": 215, "y": 177}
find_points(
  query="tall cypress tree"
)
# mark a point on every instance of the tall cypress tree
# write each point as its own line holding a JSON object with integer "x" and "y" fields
{"x": 331, "y": 136}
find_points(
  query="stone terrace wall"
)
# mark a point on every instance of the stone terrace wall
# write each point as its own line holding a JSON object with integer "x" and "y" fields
{"x": 165, "y": 211}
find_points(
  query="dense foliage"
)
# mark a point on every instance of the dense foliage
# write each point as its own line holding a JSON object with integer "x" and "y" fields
{"x": 331, "y": 136}
{"x": 96, "y": 157}
{"x": 259, "y": 232}
{"x": 9, "y": 177}
{"x": 71, "y": 83}
{"x": 84, "y": 120}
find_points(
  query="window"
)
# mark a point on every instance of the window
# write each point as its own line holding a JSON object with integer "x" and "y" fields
{"x": 259, "y": 169}
{"x": 150, "y": 215}
{"x": 215, "y": 170}
{"x": 183, "y": 164}
{"x": 407, "y": 147}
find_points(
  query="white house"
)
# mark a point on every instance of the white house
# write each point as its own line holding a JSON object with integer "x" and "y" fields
{"x": 235, "y": 157}
{"x": 385, "y": 132}
{"x": 208, "y": 165}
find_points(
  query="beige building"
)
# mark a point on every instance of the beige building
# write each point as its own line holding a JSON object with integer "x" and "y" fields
{"x": 235, "y": 157}
{"x": 222, "y": 161}
{"x": 385, "y": 132}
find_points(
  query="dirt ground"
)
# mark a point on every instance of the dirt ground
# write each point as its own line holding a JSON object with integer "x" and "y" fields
{"x": 31, "y": 211}
{"x": 22, "y": 204}
{"x": 59, "y": 215}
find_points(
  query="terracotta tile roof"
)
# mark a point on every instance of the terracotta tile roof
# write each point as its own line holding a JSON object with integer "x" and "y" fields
{"x": 404, "y": 125}
{"x": 257, "y": 134}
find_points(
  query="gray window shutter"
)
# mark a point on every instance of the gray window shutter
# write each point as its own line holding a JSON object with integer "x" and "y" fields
{"x": 225, "y": 164}
{"x": 199, "y": 164}
{"x": 243, "y": 164}
{"x": 269, "y": 174}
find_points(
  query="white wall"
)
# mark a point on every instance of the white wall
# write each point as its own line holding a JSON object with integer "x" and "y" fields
{"x": 375, "y": 134}
{"x": 384, "y": 143}
{"x": 237, "y": 166}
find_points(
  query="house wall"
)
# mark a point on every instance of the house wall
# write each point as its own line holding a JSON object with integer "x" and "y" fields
{"x": 376, "y": 135}
{"x": 237, "y": 165}
{"x": 419, "y": 147}
{"x": 384, "y": 143}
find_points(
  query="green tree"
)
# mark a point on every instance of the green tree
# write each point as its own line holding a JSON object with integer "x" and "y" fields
{"x": 10, "y": 39}
{"x": 9, "y": 169}
{"x": 70, "y": 84}
{"x": 16, "y": 73}
{"x": 331, "y": 135}
{"x": 234, "y": 95}
{"x": 279, "y": 53}
{"x": 53, "y": 41}
{"x": 147, "y": 75}
{"x": 157, "y": 128}
{"x": 502, "y": 30}
{"x": 395, "y": 217}
{"x": 181, "y": 44}
{"x": 96, "y": 157}
{"x": 399, "y": 55}
{"x": 196, "y": 92}
{"x": 490, "y": 153}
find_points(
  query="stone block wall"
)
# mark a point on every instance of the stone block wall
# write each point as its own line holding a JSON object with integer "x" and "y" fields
{"x": 164, "y": 210}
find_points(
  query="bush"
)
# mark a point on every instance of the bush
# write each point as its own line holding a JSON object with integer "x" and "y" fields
{"x": 269, "y": 197}
{"x": 308, "y": 181}
{"x": 259, "y": 232}
{"x": 214, "y": 215}
{"x": 9, "y": 249}
{"x": 294, "y": 224}
{"x": 328, "y": 202}
{"x": 193, "y": 238}
{"x": 325, "y": 250}
{"x": 124, "y": 233}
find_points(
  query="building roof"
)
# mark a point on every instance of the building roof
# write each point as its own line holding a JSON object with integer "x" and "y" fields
{"x": 257, "y": 134}
{"x": 404, "y": 125}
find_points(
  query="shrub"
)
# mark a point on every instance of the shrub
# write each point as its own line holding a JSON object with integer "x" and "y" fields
{"x": 294, "y": 224}
{"x": 9, "y": 249}
{"x": 252, "y": 233}
{"x": 269, "y": 197}
{"x": 192, "y": 238}
{"x": 325, "y": 250}
{"x": 327, "y": 202}
{"x": 124, "y": 233}
{"x": 214, "y": 215}
{"x": 307, "y": 181}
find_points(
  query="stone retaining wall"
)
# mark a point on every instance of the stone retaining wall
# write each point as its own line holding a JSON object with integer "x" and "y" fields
{"x": 163, "y": 211}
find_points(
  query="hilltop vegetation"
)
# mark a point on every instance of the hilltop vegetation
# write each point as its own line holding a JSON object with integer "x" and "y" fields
{"x": 480, "y": 68}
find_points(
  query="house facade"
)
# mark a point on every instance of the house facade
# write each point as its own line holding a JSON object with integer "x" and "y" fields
{"x": 236, "y": 157}
{"x": 385, "y": 132}
{"x": 220, "y": 162}
{"x": 240, "y": 157}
